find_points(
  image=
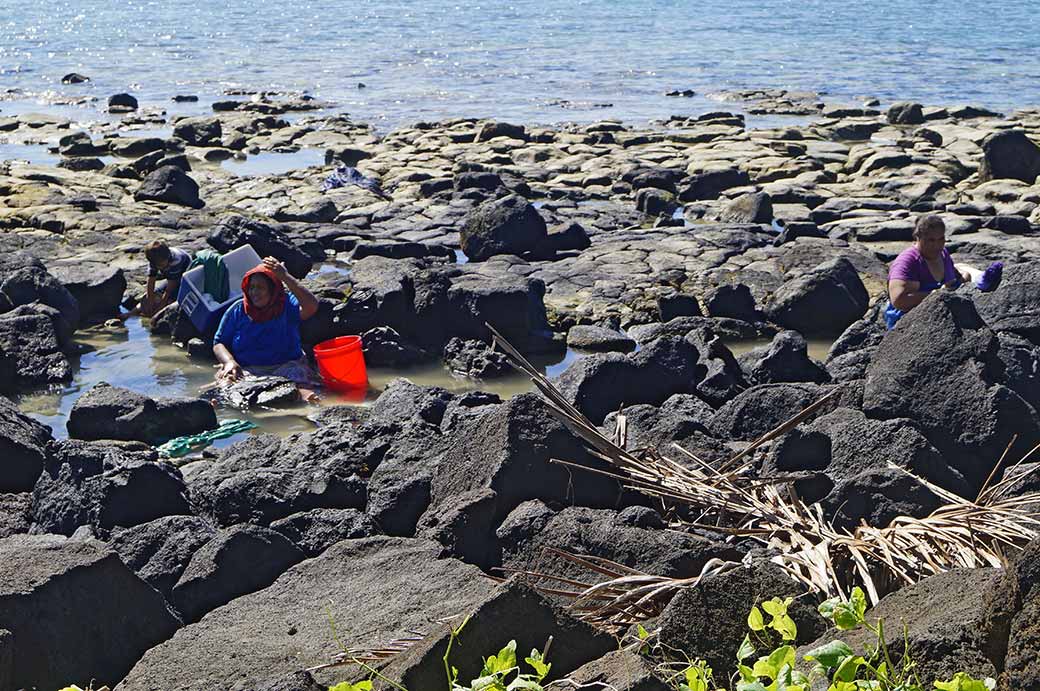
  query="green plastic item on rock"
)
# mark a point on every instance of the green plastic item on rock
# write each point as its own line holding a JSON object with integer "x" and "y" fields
{"x": 182, "y": 446}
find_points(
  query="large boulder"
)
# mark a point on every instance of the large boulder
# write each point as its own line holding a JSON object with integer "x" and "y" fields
{"x": 681, "y": 420}
{"x": 620, "y": 670}
{"x": 599, "y": 384}
{"x": 905, "y": 113}
{"x": 711, "y": 183}
{"x": 843, "y": 461}
{"x": 490, "y": 130}
{"x": 785, "y": 359}
{"x": 74, "y": 596}
{"x": 851, "y": 352}
{"x": 384, "y": 347}
{"x": 132, "y": 147}
{"x": 316, "y": 530}
{"x": 427, "y": 305}
{"x": 23, "y": 444}
{"x": 1022, "y": 665}
{"x": 476, "y": 359}
{"x": 234, "y": 562}
{"x": 98, "y": 288}
{"x": 30, "y": 351}
{"x": 953, "y": 622}
{"x": 25, "y": 280}
{"x": 112, "y": 412}
{"x": 513, "y": 612}
{"x": 413, "y": 426}
{"x": 158, "y": 551}
{"x": 264, "y": 477}
{"x": 722, "y": 377}
{"x": 709, "y": 620}
{"x": 1012, "y": 307}
{"x": 636, "y": 537}
{"x": 15, "y": 513}
{"x": 599, "y": 338}
{"x": 92, "y": 484}
{"x": 510, "y": 225}
{"x": 121, "y": 103}
{"x": 509, "y": 448}
{"x": 199, "y": 131}
{"x": 756, "y": 207}
{"x": 763, "y": 408}
{"x": 170, "y": 184}
{"x": 374, "y": 590}
{"x": 824, "y": 300}
{"x": 941, "y": 368}
{"x": 732, "y": 300}
{"x": 1010, "y": 154}
{"x": 268, "y": 241}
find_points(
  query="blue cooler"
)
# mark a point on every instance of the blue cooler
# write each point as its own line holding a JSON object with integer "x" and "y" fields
{"x": 201, "y": 308}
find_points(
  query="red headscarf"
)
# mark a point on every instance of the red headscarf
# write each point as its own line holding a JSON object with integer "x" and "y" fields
{"x": 276, "y": 305}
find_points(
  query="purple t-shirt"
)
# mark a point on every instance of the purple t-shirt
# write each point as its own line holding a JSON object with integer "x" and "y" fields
{"x": 911, "y": 266}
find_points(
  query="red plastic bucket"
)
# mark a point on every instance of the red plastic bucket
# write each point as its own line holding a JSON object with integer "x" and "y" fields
{"x": 342, "y": 364}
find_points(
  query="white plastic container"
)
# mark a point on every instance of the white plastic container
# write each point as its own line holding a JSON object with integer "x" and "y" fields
{"x": 201, "y": 308}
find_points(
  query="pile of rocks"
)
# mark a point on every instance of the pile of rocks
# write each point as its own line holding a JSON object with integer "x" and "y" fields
{"x": 654, "y": 247}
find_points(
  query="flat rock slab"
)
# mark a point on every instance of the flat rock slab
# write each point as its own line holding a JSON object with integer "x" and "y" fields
{"x": 375, "y": 590}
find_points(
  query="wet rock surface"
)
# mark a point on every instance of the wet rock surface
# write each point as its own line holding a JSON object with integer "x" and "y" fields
{"x": 112, "y": 412}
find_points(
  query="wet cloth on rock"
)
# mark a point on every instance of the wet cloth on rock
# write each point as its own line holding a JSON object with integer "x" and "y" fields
{"x": 347, "y": 175}
{"x": 182, "y": 446}
{"x": 298, "y": 371}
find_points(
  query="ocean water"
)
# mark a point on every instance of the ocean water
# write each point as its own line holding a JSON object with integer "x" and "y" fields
{"x": 524, "y": 60}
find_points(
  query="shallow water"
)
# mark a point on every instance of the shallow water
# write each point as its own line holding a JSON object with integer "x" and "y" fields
{"x": 132, "y": 358}
{"x": 527, "y": 60}
{"x": 817, "y": 347}
{"x": 273, "y": 163}
{"x": 36, "y": 154}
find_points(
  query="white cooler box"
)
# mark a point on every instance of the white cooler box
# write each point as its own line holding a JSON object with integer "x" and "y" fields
{"x": 201, "y": 308}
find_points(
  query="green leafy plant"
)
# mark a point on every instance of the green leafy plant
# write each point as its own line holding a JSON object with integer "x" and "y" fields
{"x": 501, "y": 672}
{"x": 363, "y": 685}
{"x": 770, "y": 628}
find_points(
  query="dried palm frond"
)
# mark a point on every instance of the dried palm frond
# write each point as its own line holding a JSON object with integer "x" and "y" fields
{"x": 370, "y": 655}
{"x": 826, "y": 559}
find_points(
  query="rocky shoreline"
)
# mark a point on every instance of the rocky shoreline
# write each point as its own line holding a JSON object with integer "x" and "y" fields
{"x": 655, "y": 247}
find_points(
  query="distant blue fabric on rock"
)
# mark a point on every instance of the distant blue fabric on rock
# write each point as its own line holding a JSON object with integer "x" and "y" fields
{"x": 261, "y": 343}
{"x": 348, "y": 175}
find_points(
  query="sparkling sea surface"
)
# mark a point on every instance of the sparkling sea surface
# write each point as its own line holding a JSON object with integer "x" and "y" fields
{"x": 527, "y": 61}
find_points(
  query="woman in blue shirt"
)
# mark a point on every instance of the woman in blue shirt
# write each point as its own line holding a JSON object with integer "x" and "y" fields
{"x": 260, "y": 334}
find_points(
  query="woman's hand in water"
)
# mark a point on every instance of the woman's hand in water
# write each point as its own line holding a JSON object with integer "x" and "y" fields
{"x": 230, "y": 372}
{"x": 276, "y": 266}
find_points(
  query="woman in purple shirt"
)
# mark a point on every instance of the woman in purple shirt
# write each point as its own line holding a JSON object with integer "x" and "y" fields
{"x": 926, "y": 266}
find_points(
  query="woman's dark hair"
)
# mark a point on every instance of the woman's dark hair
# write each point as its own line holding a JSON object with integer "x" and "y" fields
{"x": 156, "y": 251}
{"x": 926, "y": 223}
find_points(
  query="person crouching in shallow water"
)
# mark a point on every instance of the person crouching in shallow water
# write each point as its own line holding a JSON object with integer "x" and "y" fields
{"x": 260, "y": 334}
{"x": 926, "y": 266}
{"x": 164, "y": 263}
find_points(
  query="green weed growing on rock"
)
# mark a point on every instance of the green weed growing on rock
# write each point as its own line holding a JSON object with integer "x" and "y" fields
{"x": 772, "y": 632}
